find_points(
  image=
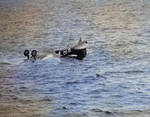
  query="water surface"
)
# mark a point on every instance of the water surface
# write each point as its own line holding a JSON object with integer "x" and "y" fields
{"x": 112, "y": 80}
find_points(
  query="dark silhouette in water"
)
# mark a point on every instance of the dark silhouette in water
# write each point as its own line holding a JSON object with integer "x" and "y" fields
{"x": 34, "y": 53}
{"x": 26, "y": 53}
{"x": 78, "y": 51}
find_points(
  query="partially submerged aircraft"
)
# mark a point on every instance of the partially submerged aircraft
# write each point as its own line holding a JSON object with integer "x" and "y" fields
{"x": 78, "y": 51}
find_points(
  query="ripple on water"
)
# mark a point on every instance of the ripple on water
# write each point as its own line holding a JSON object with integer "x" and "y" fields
{"x": 113, "y": 79}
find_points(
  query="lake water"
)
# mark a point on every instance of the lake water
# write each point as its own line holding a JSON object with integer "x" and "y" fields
{"x": 111, "y": 81}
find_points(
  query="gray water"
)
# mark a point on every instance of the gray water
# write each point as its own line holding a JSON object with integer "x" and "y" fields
{"x": 112, "y": 80}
